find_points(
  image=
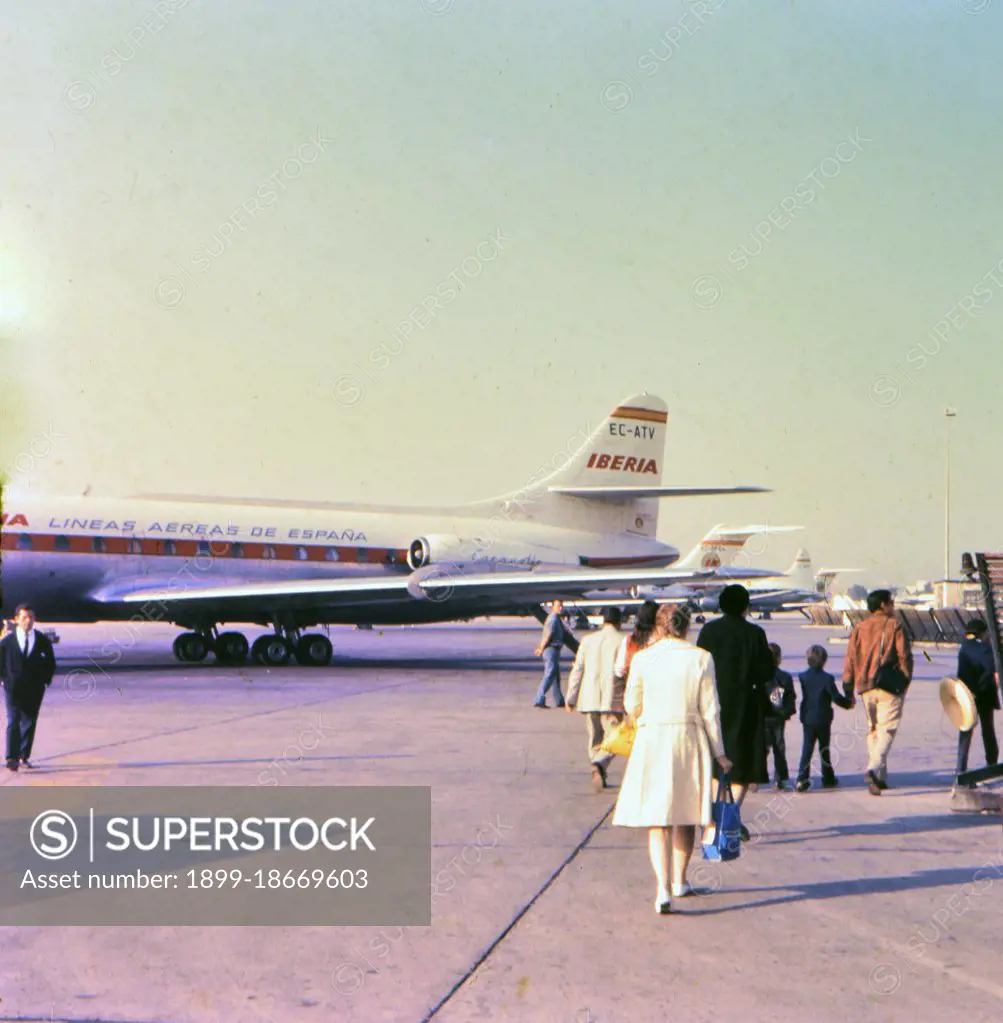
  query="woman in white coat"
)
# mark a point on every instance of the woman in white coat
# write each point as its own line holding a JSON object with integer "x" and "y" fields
{"x": 672, "y": 697}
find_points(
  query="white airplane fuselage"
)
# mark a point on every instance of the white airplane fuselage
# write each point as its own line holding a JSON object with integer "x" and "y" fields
{"x": 69, "y": 558}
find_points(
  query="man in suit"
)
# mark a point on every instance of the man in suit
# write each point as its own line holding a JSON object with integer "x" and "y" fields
{"x": 593, "y": 689}
{"x": 550, "y": 649}
{"x": 875, "y": 642}
{"x": 977, "y": 670}
{"x": 27, "y": 664}
{"x": 744, "y": 668}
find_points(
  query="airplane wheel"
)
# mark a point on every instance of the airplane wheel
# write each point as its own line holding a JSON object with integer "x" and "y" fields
{"x": 273, "y": 651}
{"x": 190, "y": 646}
{"x": 314, "y": 650}
{"x": 699, "y": 619}
{"x": 231, "y": 648}
{"x": 257, "y": 648}
{"x": 178, "y": 647}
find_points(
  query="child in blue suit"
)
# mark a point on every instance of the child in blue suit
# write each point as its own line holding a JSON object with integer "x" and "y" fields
{"x": 818, "y": 693}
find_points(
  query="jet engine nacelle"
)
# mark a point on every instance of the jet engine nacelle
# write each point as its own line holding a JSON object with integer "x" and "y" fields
{"x": 473, "y": 553}
{"x": 435, "y": 549}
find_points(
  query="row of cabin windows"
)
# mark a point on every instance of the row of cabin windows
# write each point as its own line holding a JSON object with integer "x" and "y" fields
{"x": 100, "y": 546}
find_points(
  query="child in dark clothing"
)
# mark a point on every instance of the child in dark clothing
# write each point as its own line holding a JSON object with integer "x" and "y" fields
{"x": 780, "y": 709}
{"x": 818, "y": 693}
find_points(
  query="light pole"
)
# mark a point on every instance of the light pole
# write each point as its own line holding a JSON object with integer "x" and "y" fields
{"x": 949, "y": 414}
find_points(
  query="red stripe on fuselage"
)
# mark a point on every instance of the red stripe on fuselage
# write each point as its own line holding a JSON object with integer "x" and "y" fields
{"x": 46, "y": 543}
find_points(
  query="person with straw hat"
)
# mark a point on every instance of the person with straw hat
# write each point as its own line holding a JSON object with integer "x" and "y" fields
{"x": 977, "y": 670}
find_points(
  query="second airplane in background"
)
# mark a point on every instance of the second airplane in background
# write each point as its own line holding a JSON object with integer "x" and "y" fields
{"x": 793, "y": 590}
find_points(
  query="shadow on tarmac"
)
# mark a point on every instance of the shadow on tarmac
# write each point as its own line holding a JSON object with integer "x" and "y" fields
{"x": 941, "y": 878}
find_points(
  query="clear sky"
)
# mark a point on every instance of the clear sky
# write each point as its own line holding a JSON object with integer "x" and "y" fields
{"x": 211, "y": 213}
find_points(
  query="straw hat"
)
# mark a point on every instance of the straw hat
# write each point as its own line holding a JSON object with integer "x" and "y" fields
{"x": 959, "y": 704}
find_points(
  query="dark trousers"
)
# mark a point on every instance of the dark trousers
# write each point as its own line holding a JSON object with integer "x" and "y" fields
{"x": 988, "y": 725}
{"x": 816, "y": 734}
{"x": 22, "y": 716}
{"x": 776, "y": 744}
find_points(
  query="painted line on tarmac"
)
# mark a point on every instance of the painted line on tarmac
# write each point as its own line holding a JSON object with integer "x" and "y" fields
{"x": 482, "y": 958}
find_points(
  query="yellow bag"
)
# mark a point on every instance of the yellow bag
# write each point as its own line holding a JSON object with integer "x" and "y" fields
{"x": 619, "y": 740}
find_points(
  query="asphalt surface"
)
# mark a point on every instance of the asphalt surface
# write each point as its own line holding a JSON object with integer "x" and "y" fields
{"x": 842, "y": 906}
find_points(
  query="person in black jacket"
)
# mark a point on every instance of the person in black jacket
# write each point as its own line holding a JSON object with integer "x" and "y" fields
{"x": 27, "y": 665}
{"x": 783, "y": 702}
{"x": 818, "y": 693}
{"x": 743, "y": 667}
{"x": 977, "y": 670}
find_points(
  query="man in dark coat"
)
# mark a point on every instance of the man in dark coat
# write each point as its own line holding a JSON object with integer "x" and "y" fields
{"x": 744, "y": 668}
{"x": 977, "y": 670}
{"x": 27, "y": 665}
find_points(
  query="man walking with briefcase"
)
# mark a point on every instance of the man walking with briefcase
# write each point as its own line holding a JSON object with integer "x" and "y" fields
{"x": 878, "y": 667}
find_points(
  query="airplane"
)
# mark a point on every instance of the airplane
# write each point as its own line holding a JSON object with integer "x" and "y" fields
{"x": 585, "y": 521}
{"x": 715, "y": 555}
{"x": 792, "y": 590}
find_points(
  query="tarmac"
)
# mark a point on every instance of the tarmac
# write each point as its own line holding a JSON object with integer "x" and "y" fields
{"x": 842, "y": 906}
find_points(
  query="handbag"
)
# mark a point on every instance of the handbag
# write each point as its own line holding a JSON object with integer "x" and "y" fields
{"x": 619, "y": 740}
{"x": 890, "y": 677}
{"x": 725, "y": 840}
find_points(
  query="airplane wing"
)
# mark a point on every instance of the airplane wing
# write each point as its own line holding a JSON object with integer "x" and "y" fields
{"x": 435, "y": 583}
{"x": 730, "y": 574}
{"x": 630, "y": 493}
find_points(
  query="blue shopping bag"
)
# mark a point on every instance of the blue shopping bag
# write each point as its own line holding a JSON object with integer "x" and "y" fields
{"x": 726, "y": 822}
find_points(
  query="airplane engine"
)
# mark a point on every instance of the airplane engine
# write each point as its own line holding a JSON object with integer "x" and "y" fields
{"x": 437, "y": 549}
{"x": 474, "y": 553}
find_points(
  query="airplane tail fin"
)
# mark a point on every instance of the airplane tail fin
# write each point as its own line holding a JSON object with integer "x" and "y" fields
{"x": 607, "y": 479}
{"x": 722, "y": 545}
{"x": 621, "y": 457}
{"x": 800, "y": 574}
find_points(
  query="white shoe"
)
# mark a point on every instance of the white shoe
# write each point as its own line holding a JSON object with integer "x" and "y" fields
{"x": 680, "y": 891}
{"x": 663, "y": 904}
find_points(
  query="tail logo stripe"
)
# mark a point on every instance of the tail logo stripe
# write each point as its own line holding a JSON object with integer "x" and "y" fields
{"x": 644, "y": 414}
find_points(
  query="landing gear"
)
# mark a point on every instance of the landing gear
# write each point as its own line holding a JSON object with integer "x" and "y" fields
{"x": 700, "y": 619}
{"x": 314, "y": 650}
{"x": 272, "y": 651}
{"x": 765, "y": 616}
{"x": 191, "y": 647}
{"x": 231, "y": 648}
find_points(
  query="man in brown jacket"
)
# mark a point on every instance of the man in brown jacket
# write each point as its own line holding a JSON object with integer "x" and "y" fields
{"x": 877, "y": 640}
